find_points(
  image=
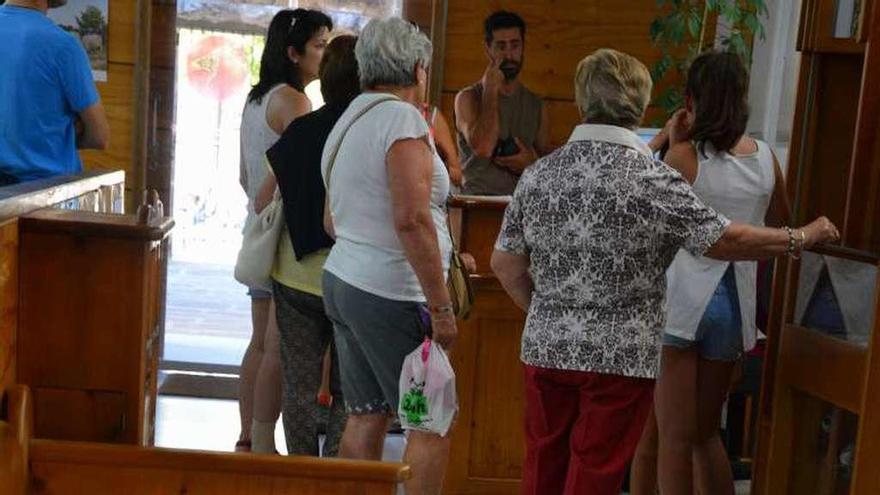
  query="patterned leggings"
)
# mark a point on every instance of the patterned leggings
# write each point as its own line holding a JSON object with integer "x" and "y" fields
{"x": 305, "y": 334}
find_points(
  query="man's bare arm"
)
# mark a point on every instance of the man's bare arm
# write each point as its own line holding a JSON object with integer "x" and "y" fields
{"x": 477, "y": 120}
{"x": 95, "y": 131}
{"x": 477, "y": 117}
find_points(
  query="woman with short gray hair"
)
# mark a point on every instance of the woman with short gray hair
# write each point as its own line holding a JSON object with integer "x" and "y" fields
{"x": 384, "y": 279}
{"x": 584, "y": 248}
{"x": 390, "y": 52}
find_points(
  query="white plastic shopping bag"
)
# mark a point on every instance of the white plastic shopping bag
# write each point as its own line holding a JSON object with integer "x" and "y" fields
{"x": 428, "y": 401}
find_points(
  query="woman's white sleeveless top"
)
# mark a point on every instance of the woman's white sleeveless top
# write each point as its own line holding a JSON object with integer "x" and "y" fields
{"x": 739, "y": 187}
{"x": 256, "y": 138}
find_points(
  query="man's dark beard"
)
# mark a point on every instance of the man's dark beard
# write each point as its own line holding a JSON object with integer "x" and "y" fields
{"x": 510, "y": 69}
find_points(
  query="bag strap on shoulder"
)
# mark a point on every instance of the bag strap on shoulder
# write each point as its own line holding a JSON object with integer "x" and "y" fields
{"x": 351, "y": 122}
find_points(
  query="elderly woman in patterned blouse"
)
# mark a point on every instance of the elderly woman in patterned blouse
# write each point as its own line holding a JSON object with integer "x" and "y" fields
{"x": 584, "y": 248}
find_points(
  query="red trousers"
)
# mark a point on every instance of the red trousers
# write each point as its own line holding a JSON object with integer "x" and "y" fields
{"x": 582, "y": 430}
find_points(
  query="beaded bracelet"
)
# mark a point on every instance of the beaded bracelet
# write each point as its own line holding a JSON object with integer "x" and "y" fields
{"x": 441, "y": 309}
{"x": 791, "y": 242}
{"x": 800, "y": 245}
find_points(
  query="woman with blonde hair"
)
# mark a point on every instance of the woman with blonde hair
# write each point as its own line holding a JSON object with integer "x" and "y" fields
{"x": 584, "y": 248}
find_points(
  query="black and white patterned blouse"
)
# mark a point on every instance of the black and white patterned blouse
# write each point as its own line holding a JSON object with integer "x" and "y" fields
{"x": 600, "y": 221}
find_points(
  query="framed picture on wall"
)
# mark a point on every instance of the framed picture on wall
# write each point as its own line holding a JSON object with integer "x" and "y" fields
{"x": 87, "y": 20}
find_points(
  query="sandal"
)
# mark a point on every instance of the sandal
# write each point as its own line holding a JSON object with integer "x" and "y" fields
{"x": 243, "y": 446}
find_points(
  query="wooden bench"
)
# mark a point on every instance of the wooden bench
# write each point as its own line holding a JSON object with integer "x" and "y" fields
{"x": 78, "y": 468}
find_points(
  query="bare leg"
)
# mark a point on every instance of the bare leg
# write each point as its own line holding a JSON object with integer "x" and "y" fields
{"x": 250, "y": 364}
{"x": 427, "y": 454}
{"x": 324, "y": 395}
{"x": 675, "y": 408}
{"x": 711, "y": 464}
{"x": 643, "y": 475}
{"x": 364, "y": 437}
{"x": 337, "y": 416}
{"x": 267, "y": 389}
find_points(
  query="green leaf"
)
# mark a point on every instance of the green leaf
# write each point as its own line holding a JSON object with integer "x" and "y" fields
{"x": 661, "y": 67}
{"x": 695, "y": 24}
{"x": 736, "y": 11}
{"x": 736, "y": 43}
{"x": 760, "y": 7}
{"x": 729, "y": 11}
{"x": 676, "y": 29}
{"x": 751, "y": 23}
{"x": 670, "y": 99}
{"x": 657, "y": 30}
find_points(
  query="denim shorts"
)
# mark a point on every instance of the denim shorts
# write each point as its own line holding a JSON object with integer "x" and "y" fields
{"x": 257, "y": 293}
{"x": 719, "y": 333}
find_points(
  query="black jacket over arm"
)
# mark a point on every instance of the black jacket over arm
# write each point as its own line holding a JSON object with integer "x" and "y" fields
{"x": 296, "y": 160}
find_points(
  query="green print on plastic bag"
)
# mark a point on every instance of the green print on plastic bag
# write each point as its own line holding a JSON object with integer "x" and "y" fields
{"x": 415, "y": 405}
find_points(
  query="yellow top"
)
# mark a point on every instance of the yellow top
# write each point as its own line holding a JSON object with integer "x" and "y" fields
{"x": 304, "y": 275}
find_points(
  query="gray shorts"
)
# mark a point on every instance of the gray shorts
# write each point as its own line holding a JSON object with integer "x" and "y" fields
{"x": 373, "y": 336}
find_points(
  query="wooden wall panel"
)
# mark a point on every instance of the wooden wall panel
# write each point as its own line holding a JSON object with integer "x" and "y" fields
{"x": 116, "y": 95}
{"x": 496, "y": 451}
{"x": 863, "y": 231}
{"x": 559, "y": 34}
{"x": 160, "y": 118}
{"x": 825, "y": 176}
{"x": 123, "y": 23}
{"x": 419, "y": 11}
{"x": 163, "y": 42}
{"x": 96, "y": 328}
{"x": 123, "y": 94}
{"x": 8, "y": 301}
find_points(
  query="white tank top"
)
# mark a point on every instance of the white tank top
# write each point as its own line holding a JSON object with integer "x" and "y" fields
{"x": 739, "y": 187}
{"x": 256, "y": 138}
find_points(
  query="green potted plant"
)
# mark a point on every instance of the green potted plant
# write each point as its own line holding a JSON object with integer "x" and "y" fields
{"x": 681, "y": 31}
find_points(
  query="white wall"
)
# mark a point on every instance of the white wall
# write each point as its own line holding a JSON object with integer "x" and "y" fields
{"x": 774, "y": 74}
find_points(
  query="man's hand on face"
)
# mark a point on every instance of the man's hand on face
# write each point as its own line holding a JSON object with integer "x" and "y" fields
{"x": 493, "y": 78}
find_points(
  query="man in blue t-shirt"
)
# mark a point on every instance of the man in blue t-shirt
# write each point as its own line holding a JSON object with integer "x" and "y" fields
{"x": 49, "y": 106}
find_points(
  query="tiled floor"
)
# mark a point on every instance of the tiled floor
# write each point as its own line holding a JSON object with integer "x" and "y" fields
{"x": 208, "y": 314}
{"x": 209, "y": 424}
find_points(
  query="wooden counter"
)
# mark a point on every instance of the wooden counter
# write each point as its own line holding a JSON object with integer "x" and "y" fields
{"x": 488, "y": 445}
{"x": 98, "y": 191}
{"x": 103, "y": 188}
{"x": 81, "y": 307}
{"x": 89, "y": 323}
